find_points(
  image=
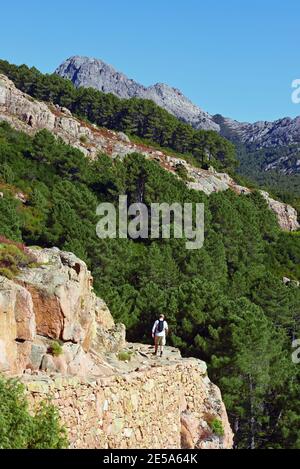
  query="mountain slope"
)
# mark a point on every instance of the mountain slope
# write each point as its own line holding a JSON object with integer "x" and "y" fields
{"x": 226, "y": 303}
{"x": 281, "y": 134}
{"x": 275, "y": 145}
{"x": 19, "y": 110}
{"x": 94, "y": 73}
{"x": 263, "y": 134}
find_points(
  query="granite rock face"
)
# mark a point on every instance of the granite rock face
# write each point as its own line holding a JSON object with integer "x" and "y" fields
{"x": 53, "y": 302}
{"x": 17, "y": 324}
{"x": 61, "y": 292}
{"x": 286, "y": 215}
{"x": 89, "y": 72}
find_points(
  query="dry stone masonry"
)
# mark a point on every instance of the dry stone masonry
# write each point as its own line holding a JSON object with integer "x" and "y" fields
{"x": 166, "y": 406}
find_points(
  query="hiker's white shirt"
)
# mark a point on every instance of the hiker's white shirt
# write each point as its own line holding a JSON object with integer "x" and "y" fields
{"x": 163, "y": 332}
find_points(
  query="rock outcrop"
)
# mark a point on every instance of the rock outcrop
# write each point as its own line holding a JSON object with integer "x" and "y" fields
{"x": 286, "y": 215}
{"x": 209, "y": 181}
{"x": 93, "y": 73}
{"x": 53, "y": 302}
{"x": 17, "y": 325}
{"x": 29, "y": 116}
{"x": 62, "y": 342}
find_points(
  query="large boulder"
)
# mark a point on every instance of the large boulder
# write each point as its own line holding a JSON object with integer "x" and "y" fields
{"x": 72, "y": 361}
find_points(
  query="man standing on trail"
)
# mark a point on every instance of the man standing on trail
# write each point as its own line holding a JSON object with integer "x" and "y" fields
{"x": 159, "y": 332}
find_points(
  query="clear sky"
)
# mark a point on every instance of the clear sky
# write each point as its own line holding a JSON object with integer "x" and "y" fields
{"x": 233, "y": 57}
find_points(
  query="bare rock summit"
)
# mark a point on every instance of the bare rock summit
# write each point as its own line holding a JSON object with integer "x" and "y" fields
{"x": 94, "y": 73}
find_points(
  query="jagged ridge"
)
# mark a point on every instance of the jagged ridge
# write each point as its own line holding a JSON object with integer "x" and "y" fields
{"x": 94, "y": 73}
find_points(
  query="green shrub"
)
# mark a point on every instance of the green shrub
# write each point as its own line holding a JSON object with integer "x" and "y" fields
{"x": 7, "y": 273}
{"x": 216, "y": 427}
{"x": 83, "y": 138}
{"x": 124, "y": 356}
{"x": 182, "y": 172}
{"x": 12, "y": 258}
{"x": 56, "y": 349}
{"x": 19, "y": 429}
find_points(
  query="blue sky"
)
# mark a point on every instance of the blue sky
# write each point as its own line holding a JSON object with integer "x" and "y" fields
{"x": 237, "y": 58}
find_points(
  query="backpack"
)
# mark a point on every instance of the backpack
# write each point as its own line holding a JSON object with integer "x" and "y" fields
{"x": 160, "y": 326}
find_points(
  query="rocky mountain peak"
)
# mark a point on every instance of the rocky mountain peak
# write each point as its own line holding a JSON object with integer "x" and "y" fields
{"x": 91, "y": 72}
{"x": 285, "y": 132}
{"x": 94, "y": 73}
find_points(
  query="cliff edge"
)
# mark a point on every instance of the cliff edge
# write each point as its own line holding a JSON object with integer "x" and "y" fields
{"x": 60, "y": 339}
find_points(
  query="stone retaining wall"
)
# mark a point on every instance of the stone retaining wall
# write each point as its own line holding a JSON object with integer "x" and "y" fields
{"x": 163, "y": 407}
